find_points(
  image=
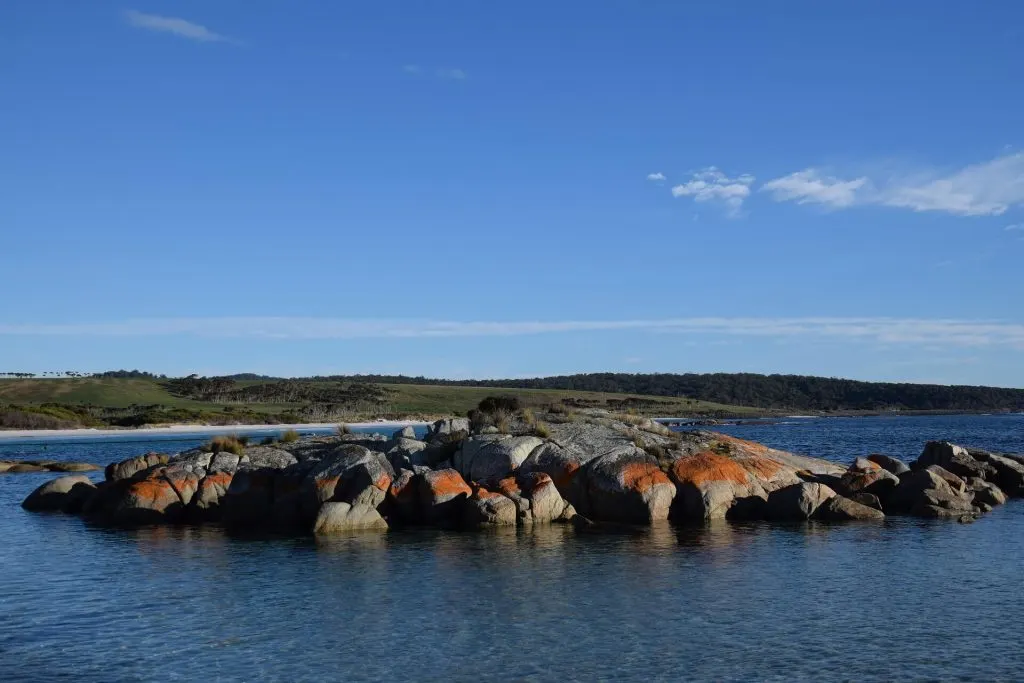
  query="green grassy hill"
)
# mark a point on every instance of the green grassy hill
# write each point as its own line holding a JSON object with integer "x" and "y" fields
{"x": 112, "y": 393}
{"x": 95, "y": 401}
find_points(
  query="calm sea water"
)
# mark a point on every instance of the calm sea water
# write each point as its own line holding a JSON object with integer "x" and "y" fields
{"x": 905, "y": 600}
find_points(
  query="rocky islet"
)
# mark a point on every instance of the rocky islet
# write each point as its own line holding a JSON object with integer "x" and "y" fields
{"x": 588, "y": 469}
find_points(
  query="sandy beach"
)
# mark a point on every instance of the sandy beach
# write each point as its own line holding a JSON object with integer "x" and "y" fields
{"x": 185, "y": 429}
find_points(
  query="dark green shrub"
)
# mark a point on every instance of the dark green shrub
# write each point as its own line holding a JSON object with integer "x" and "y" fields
{"x": 500, "y": 404}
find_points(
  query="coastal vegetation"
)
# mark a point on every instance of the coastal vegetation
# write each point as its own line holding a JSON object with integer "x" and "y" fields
{"x": 132, "y": 398}
{"x": 227, "y": 444}
{"x": 768, "y": 392}
{"x": 65, "y": 403}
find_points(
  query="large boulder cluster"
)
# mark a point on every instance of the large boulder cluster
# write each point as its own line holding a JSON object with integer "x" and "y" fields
{"x": 588, "y": 469}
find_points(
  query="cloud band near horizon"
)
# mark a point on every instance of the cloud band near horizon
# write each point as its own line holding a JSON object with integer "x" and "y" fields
{"x": 944, "y": 332}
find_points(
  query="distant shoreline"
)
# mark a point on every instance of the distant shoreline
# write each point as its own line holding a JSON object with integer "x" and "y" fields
{"x": 189, "y": 429}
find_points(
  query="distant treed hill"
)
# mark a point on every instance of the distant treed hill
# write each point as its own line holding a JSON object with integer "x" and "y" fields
{"x": 765, "y": 392}
{"x": 778, "y": 392}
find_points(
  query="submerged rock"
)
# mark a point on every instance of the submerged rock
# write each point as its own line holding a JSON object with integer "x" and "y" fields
{"x": 24, "y": 468}
{"x": 28, "y": 466}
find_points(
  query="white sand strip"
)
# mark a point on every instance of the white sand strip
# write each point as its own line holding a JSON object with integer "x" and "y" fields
{"x": 185, "y": 429}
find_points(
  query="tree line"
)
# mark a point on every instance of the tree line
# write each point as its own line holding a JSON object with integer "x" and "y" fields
{"x": 774, "y": 392}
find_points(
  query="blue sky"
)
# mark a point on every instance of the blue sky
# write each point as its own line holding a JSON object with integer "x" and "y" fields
{"x": 474, "y": 189}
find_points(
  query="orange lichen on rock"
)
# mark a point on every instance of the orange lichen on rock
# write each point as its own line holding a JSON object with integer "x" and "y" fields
{"x": 185, "y": 484}
{"x": 640, "y": 476}
{"x": 327, "y": 484}
{"x": 509, "y": 487}
{"x": 383, "y": 481}
{"x": 707, "y": 467}
{"x": 153, "y": 493}
{"x": 448, "y": 483}
{"x": 563, "y": 479}
{"x": 221, "y": 479}
{"x": 742, "y": 446}
{"x": 534, "y": 481}
{"x": 402, "y": 486}
{"x": 762, "y": 468}
{"x": 483, "y": 494}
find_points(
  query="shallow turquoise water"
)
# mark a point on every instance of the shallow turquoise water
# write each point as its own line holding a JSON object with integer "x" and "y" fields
{"x": 904, "y": 600}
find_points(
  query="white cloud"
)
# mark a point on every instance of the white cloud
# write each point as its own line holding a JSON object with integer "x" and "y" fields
{"x": 938, "y": 332}
{"x": 1014, "y": 227}
{"x": 656, "y": 176}
{"x": 173, "y": 25}
{"x": 452, "y": 74}
{"x": 412, "y": 69}
{"x": 711, "y": 185}
{"x": 810, "y": 187}
{"x": 985, "y": 189}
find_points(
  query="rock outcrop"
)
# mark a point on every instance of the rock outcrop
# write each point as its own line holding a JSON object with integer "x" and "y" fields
{"x": 65, "y": 494}
{"x": 491, "y": 457}
{"x": 29, "y": 466}
{"x": 798, "y": 502}
{"x": 889, "y": 463}
{"x": 842, "y": 509}
{"x": 595, "y": 469}
{"x": 334, "y": 517}
{"x": 625, "y": 485}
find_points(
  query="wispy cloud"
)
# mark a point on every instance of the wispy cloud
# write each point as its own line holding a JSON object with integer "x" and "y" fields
{"x": 1014, "y": 227}
{"x": 985, "y": 189}
{"x": 451, "y": 74}
{"x": 412, "y": 69}
{"x": 937, "y": 332}
{"x": 711, "y": 185}
{"x": 173, "y": 25}
{"x": 656, "y": 176}
{"x": 810, "y": 187}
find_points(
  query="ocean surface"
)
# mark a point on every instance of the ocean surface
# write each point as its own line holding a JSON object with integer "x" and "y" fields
{"x": 903, "y": 600}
